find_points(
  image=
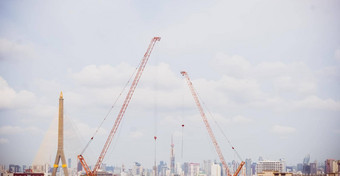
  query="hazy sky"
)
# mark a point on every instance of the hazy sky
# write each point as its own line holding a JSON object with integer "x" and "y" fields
{"x": 268, "y": 71}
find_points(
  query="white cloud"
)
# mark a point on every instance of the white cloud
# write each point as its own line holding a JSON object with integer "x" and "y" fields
{"x": 4, "y": 141}
{"x": 278, "y": 77}
{"x": 10, "y": 50}
{"x": 314, "y": 102}
{"x": 12, "y": 130}
{"x": 12, "y": 99}
{"x": 103, "y": 75}
{"x": 283, "y": 130}
{"x": 235, "y": 65}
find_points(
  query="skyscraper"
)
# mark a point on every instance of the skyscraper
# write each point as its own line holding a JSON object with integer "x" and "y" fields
{"x": 215, "y": 170}
{"x": 248, "y": 167}
{"x": 69, "y": 163}
{"x": 172, "y": 158}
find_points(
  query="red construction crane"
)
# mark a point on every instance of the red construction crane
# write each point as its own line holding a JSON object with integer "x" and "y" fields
{"x": 121, "y": 112}
{"x": 211, "y": 134}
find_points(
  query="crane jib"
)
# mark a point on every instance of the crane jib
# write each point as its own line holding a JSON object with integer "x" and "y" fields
{"x": 121, "y": 112}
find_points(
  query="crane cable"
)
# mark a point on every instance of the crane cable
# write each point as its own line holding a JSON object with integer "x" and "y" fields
{"x": 114, "y": 104}
{"x": 219, "y": 127}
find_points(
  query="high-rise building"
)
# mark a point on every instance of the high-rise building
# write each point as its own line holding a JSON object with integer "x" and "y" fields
{"x": 215, "y": 170}
{"x": 172, "y": 158}
{"x": 253, "y": 168}
{"x": 283, "y": 162}
{"x": 313, "y": 168}
{"x": 137, "y": 169}
{"x": 234, "y": 167}
{"x": 162, "y": 167}
{"x": 69, "y": 163}
{"x": 207, "y": 165}
{"x": 194, "y": 169}
{"x": 179, "y": 169}
{"x": 299, "y": 167}
{"x": 270, "y": 166}
{"x": 248, "y": 167}
{"x": 331, "y": 166}
{"x": 186, "y": 168}
{"x": 79, "y": 167}
{"x": 306, "y": 159}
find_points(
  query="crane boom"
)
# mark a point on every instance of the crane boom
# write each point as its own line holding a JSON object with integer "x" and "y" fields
{"x": 121, "y": 112}
{"x": 205, "y": 120}
{"x": 211, "y": 134}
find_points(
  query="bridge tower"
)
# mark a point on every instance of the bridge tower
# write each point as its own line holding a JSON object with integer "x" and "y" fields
{"x": 60, "y": 151}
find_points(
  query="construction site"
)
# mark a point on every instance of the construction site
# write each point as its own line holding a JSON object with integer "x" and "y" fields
{"x": 169, "y": 88}
{"x": 96, "y": 169}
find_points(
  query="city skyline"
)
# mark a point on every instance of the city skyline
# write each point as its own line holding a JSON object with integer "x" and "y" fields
{"x": 268, "y": 73}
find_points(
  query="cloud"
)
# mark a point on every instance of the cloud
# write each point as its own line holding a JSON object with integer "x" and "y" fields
{"x": 4, "y": 141}
{"x": 235, "y": 65}
{"x": 103, "y": 75}
{"x": 283, "y": 130}
{"x": 10, "y": 50}
{"x": 314, "y": 102}
{"x": 279, "y": 77}
{"x": 12, "y": 130}
{"x": 12, "y": 99}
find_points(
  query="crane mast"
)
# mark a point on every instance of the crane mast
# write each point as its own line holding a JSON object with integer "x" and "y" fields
{"x": 207, "y": 125}
{"x": 121, "y": 112}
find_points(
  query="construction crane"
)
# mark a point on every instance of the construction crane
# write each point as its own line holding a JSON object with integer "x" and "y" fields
{"x": 211, "y": 134}
{"x": 121, "y": 113}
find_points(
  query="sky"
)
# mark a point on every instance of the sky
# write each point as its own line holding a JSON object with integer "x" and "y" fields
{"x": 267, "y": 72}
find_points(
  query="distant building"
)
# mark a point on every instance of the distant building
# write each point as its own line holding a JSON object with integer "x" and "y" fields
{"x": 274, "y": 173}
{"x": 331, "y": 166}
{"x": 313, "y": 168}
{"x": 234, "y": 167}
{"x": 109, "y": 169}
{"x": 248, "y": 167}
{"x": 306, "y": 169}
{"x": 215, "y": 170}
{"x": 79, "y": 167}
{"x": 270, "y": 166}
{"x": 162, "y": 167}
{"x": 137, "y": 169}
{"x": 306, "y": 160}
{"x": 186, "y": 168}
{"x": 207, "y": 166}
{"x": 253, "y": 168}
{"x": 69, "y": 163}
{"x": 299, "y": 167}
{"x": 14, "y": 168}
{"x": 260, "y": 158}
{"x": 194, "y": 169}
